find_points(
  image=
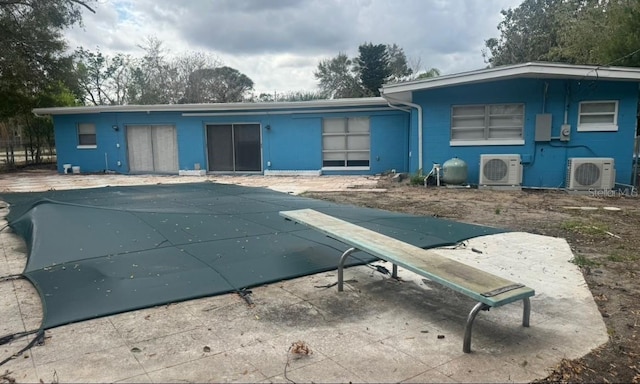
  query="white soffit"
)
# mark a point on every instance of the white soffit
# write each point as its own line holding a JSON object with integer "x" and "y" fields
{"x": 400, "y": 96}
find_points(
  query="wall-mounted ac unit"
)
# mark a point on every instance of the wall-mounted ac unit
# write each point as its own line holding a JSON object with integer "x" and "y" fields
{"x": 584, "y": 173}
{"x": 500, "y": 170}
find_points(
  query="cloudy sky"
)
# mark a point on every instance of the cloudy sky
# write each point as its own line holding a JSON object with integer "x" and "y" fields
{"x": 278, "y": 43}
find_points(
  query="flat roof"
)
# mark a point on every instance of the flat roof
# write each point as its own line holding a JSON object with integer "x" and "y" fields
{"x": 216, "y": 107}
{"x": 526, "y": 70}
{"x": 398, "y": 90}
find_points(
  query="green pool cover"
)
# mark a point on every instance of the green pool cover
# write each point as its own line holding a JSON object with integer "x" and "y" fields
{"x": 97, "y": 252}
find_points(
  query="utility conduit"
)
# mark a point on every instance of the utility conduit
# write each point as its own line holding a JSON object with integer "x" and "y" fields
{"x": 391, "y": 100}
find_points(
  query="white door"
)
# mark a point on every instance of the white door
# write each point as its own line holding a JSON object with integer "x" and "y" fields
{"x": 152, "y": 148}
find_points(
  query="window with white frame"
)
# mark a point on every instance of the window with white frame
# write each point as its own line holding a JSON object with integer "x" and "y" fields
{"x": 598, "y": 116}
{"x": 87, "y": 135}
{"x": 484, "y": 123}
{"x": 345, "y": 142}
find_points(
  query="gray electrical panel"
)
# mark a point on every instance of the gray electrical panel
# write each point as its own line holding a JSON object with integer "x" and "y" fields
{"x": 543, "y": 127}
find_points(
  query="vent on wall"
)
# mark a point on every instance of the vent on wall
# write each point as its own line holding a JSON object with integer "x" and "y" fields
{"x": 584, "y": 173}
{"x": 500, "y": 170}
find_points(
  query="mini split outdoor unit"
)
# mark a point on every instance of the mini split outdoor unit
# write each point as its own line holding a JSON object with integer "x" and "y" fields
{"x": 500, "y": 170}
{"x": 584, "y": 173}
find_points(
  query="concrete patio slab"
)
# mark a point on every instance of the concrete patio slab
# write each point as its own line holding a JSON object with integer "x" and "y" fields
{"x": 377, "y": 330}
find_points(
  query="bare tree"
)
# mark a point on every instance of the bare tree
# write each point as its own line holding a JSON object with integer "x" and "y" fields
{"x": 180, "y": 70}
{"x": 103, "y": 80}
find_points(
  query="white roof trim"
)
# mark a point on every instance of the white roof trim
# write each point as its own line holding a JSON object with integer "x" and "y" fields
{"x": 527, "y": 70}
{"x": 219, "y": 107}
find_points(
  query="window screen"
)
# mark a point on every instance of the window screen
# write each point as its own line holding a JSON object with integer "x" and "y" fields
{"x": 487, "y": 122}
{"x": 598, "y": 116}
{"x": 345, "y": 142}
{"x": 87, "y": 134}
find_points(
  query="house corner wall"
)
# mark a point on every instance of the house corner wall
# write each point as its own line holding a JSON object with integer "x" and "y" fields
{"x": 544, "y": 163}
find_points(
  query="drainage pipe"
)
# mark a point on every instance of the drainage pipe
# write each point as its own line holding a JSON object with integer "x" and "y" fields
{"x": 391, "y": 100}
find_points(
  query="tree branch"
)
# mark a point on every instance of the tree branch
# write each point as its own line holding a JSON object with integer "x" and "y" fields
{"x": 83, "y": 4}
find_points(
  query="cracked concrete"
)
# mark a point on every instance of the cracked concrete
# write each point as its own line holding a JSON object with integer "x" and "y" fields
{"x": 378, "y": 330}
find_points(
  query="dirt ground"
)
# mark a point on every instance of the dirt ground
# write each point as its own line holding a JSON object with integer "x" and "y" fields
{"x": 604, "y": 234}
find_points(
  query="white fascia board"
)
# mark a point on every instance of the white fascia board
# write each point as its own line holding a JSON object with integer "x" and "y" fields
{"x": 219, "y": 107}
{"x": 527, "y": 70}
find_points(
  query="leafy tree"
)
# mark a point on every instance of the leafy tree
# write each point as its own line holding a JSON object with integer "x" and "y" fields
{"x": 287, "y": 96}
{"x": 180, "y": 70}
{"x": 264, "y": 98}
{"x": 622, "y": 45}
{"x": 156, "y": 78}
{"x": 531, "y": 31}
{"x": 33, "y": 62}
{"x": 217, "y": 85}
{"x": 418, "y": 72}
{"x": 338, "y": 79}
{"x": 573, "y": 31}
{"x": 32, "y": 48}
{"x": 7, "y": 139}
{"x": 38, "y": 132}
{"x": 301, "y": 96}
{"x": 373, "y": 67}
{"x": 431, "y": 72}
{"x": 602, "y": 34}
{"x": 342, "y": 77}
{"x": 398, "y": 64}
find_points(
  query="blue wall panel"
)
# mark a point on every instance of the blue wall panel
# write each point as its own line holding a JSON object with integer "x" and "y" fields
{"x": 90, "y": 159}
{"x": 191, "y": 143}
{"x": 389, "y": 143}
{"x": 547, "y": 165}
{"x": 292, "y": 142}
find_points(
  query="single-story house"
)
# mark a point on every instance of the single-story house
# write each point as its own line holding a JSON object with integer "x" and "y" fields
{"x": 542, "y": 125}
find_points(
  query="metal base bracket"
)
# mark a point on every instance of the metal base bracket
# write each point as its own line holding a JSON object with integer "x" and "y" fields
{"x": 466, "y": 345}
{"x": 343, "y": 258}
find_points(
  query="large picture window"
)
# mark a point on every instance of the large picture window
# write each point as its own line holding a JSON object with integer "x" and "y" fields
{"x": 345, "y": 142}
{"x": 483, "y": 123}
{"x": 87, "y": 135}
{"x": 598, "y": 116}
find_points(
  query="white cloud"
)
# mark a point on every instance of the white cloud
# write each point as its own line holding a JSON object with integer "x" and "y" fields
{"x": 278, "y": 43}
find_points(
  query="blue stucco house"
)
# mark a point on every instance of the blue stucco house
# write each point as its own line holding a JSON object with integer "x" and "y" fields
{"x": 541, "y": 125}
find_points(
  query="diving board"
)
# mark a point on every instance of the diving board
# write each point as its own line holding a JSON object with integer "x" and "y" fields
{"x": 488, "y": 289}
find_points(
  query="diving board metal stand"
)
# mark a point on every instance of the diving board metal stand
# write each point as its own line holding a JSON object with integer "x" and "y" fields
{"x": 488, "y": 289}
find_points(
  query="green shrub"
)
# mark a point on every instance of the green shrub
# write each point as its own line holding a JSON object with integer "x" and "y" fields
{"x": 417, "y": 179}
{"x": 582, "y": 261}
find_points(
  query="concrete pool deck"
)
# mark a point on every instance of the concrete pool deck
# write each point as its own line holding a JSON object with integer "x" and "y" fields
{"x": 378, "y": 330}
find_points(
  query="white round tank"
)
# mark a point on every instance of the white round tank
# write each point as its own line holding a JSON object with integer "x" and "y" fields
{"x": 454, "y": 171}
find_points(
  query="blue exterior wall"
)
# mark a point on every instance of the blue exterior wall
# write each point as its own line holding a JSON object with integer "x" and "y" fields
{"x": 89, "y": 160}
{"x": 544, "y": 163}
{"x": 293, "y": 141}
